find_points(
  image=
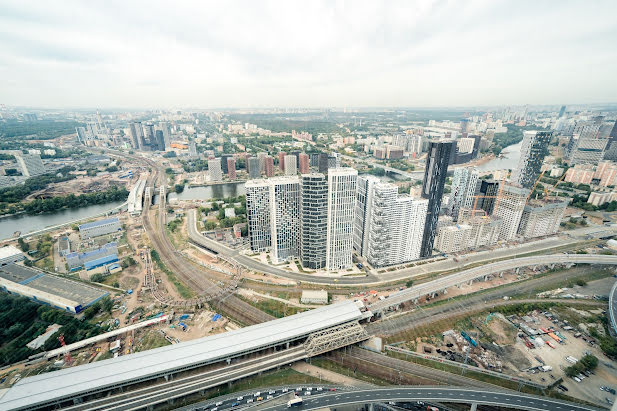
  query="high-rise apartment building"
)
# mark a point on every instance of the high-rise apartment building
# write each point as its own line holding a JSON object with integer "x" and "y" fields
{"x": 334, "y": 160}
{"x": 231, "y": 168}
{"x": 31, "y": 165}
{"x": 282, "y": 155}
{"x": 149, "y": 138}
{"x": 587, "y": 150}
{"x": 437, "y": 162}
{"x": 166, "y": 135}
{"x": 253, "y": 166}
{"x": 510, "y": 210}
{"x": 533, "y": 150}
{"x": 269, "y": 166}
{"x": 341, "y": 209}
{"x": 464, "y": 185}
{"x": 258, "y": 214}
{"x": 160, "y": 140}
{"x": 314, "y": 219}
{"x": 395, "y": 226}
{"x": 290, "y": 165}
{"x": 303, "y": 163}
{"x": 562, "y": 111}
{"x": 364, "y": 198}
{"x": 215, "y": 170}
{"x": 285, "y": 217}
{"x": 453, "y": 238}
{"x": 541, "y": 217}
{"x": 262, "y": 161}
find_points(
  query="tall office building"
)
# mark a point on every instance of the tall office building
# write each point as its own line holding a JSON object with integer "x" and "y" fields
{"x": 258, "y": 214}
{"x": 160, "y": 140}
{"x": 533, "y": 150}
{"x": 31, "y": 165}
{"x": 253, "y": 166}
{"x": 303, "y": 163}
{"x": 487, "y": 193}
{"x": 562, "y": 111}
{"x": 334, "y": 160}
{"x": 166, "y": 135}
{"x": 285, "y": 217}
{"x": 341, "y": 208}
{"x": 510, "y": 210}
{"x": 611, "y": 146}
{"x": 193, "y": 149}
{"x": 587, "y": 150}
{"x": 137, "y": 135}
{"x": 215, "y": 170}
{"x": 463, "y": 190}
{"x": 224, "y": 164}
{"x": 437, "y": 162}
{"x": 364, "y": 198}
{"x": 323, "y": 163}
{"x": 149, "y": 135}
{"x": 314, "y": 219}
{"x": 231, "y": 168}
{"x": 81, "y": 135}
{"x": 290, "y": 165}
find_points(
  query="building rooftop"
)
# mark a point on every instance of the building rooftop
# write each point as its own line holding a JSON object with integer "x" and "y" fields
{"x": 98, "y": 223}
{"x": 70, "y": 290}
{"x": 9, "y": 251}
{"x": 74, "y": 380}
{"x": 112, "y": 258}
{"x": 18, "y": 273}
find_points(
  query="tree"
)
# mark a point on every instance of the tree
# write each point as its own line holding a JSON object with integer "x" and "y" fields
{"x": 23, "y": 245}
{"x": 97, "y": 278}
{"x": 409, "y": 283}
{"x": 178, "y": 188}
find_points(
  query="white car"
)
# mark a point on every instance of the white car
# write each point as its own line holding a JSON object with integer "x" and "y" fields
{"x": 271, "y": 392}
{"x": 250, "y": 400}
{"x": 285, "y": 389}
{"x": 307, "y": 393}
{"x": 218, "y": 404}
{"x": 269, "y": 397}
{"x": 319, "y": 388}
{"x": 257, "y": 394}
{"x": 240, "y": 398}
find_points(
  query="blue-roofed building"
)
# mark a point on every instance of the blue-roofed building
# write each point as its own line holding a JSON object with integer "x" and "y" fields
{"x": 76, "y": 260}
{"x": 101, "y": 227}
{"x": 101, "y": 262}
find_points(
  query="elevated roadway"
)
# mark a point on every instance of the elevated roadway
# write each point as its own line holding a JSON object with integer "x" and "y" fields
{"x": 452, "y": 280}
{"x": 497, "y": 398}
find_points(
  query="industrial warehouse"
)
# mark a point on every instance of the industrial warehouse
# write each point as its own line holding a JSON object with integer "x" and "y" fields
{"x": 59, "y": 386}
{"x": 58, "y": 292}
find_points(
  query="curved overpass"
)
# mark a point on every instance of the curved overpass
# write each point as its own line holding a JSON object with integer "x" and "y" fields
{"x": 445, "y": 282}
{"x": 506, "y": 399}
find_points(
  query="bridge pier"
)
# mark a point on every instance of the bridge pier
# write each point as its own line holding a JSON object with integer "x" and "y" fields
{"x": 444, "y": 291}
{"x": 470, "y": 283}
{"x": 501, "y": 274}
{"x": 474, "y": 406}
{"x": 228, "y": 361}
{"x": 287, "y": 345}
{"x": 77, "y": 400}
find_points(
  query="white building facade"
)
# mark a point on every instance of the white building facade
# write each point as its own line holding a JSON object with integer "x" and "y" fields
{"x": 342, "y": 184}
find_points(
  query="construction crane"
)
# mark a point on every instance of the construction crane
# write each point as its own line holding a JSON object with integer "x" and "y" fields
{"x": 534, "y": 186}
{"x": 548, "y": 192}
{"x": 68, "y": 360}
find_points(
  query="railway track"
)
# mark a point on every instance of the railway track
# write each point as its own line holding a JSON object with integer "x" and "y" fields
{"x": 218, "y": 294}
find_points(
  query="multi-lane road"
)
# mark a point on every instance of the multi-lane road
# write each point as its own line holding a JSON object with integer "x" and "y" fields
{"x": 325, "y": 398}
{"x": 612, "y": 308}
{"x": 445, "y": 282}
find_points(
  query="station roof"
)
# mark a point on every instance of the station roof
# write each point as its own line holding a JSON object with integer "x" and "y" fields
{"x": 124, "y": 369}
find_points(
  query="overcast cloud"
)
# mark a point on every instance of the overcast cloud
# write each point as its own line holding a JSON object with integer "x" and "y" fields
{"x": 311, "y": 53}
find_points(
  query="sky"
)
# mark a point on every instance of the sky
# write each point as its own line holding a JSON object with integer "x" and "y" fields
{"x": 208, "y": 54}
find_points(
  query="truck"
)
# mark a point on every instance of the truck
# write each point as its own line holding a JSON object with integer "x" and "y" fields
{"x": 550, "y": 344}
{"x": 571, "y": 359}
{"x": 297, "y": 401}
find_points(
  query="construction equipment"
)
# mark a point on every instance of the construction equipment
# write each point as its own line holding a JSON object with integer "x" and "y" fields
{"x": 534, "y": 186}
{"x": 68, "y": 360}
{"x": 498, "y": 198}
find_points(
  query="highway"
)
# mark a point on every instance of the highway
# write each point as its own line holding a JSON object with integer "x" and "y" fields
{"x": 612, "y": 309}
{"x": 332, "y": 399}
{"x": 445, "y": 282}
{"x": 232, "y": 255}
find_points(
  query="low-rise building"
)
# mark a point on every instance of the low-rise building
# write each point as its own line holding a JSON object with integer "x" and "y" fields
{"x": 10, "y": 254}
{"x": 314, "y": 297}
{"x": 76, "y": 260}
{"x": 99, "y": 228}
{"x": 453, "y": 238}
{"x": 599, "y": 198}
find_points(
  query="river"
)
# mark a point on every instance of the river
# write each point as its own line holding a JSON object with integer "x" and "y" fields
{"x": 29, "y": 223}
{"x": 508, "y": 160}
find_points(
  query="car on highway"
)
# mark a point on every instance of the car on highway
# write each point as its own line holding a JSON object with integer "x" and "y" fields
{"x": 260, "y": 398}
{"x": 332, "y": 389}
{"x": 257, "y": 394}
{"x": 249, "y": 401}
{"x": 235, "y": 404}
{"x": 269, "y": 397}
{"x": 240, "y": 398}
{"x": 271, "y": 392}
{"x": 218, "y": 404}
{"x": 285, "y": 390}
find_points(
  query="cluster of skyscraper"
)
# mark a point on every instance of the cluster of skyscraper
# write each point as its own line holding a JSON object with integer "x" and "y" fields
{"x": 486, "y": 211}
{"x": 146, "y": 136}
{"x": 323, "y": 218}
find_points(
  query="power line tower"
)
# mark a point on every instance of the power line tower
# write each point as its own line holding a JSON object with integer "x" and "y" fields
{"x": 67, "y": 355}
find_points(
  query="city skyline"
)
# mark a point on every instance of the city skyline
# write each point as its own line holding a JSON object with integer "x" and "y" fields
{"x": 317, "y": 54}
